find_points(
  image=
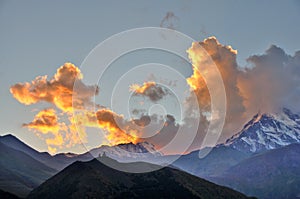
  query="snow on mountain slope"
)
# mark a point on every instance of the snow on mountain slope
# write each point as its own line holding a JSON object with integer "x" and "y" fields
{"x": 267, "y": 131}
{"x": 130, "y": 150}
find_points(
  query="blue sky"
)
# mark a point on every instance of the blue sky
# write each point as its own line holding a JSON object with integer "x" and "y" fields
{"x": 37, "y": 37}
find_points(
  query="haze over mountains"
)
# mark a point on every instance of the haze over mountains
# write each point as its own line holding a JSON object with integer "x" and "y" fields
{"x": 261, "y": 160}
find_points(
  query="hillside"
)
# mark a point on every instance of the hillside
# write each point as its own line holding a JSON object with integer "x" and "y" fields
{"x": 19, "y": 172}
{"x": 273, "y": 174}
{"x": 93, "y": 179}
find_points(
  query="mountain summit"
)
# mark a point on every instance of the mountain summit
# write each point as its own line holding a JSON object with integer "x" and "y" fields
{"x": 126, "y": 151}
{"x": 267, "y": 131}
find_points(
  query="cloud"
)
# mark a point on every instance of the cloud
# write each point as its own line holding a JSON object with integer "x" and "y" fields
{"x": 46, "y": 122}
{"x": 224, "y": 57}
{"x": 165, "y": 134}
{"x": 113, "y": 123}
{"x": 170, "y": 21}
{"x": 149, "y": 89}
{"x": 144, "y": 120}
{"x": 58, "y": 90}
{"x": 74, "y": 109}
{"x": 271, "y": 82}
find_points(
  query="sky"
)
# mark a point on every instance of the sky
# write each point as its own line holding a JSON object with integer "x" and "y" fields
{"x": 37, "y": 37}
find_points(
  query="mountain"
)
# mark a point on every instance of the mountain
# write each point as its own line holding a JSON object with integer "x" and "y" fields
{"x": 17, "y": 144}
{"x": 267, "y": 131}
{"x": 23, "y": 168}
{"x": 269, "y": 175}
{"x": 19, "y": 172}
{"x": 57, "y": 163}
{"x": 94, "y": 179}
{"x": 121, "y": 152}
{"x": 7, "y": 195}
{"x": 126, "y": 152}
{"x": 215, "y": 163}
{"x": 261, "y": 160}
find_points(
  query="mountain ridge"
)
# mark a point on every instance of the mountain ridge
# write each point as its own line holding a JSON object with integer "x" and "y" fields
{"x": 20, "y": 173}
{"x": 110, "y": 183}
{"x": 276, "y": 173}
{"x": 267, "y": 131}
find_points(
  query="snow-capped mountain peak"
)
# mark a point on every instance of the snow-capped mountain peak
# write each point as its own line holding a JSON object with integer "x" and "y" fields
{"x": 267, "y": 131}
{"x": 123, "y": 151}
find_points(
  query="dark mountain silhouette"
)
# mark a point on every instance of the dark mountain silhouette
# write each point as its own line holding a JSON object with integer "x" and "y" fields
{"x": 19, "y": 172}
{"x": 261, "y": 160}
{"x": 94, "y": 179}
{"x": 218, "y": 160}
{"x": 15, "y": 143}
{"x": 57, "y": 162}
{"x": 123, "y": 152}
{"x": 274, "y": 174}
{"x": 7, "y": 195}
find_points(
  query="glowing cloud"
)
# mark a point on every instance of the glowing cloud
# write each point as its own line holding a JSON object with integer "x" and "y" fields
{"x": 272, "y": 81}
{"x": 58, "y": 90}
{"x": 46, "y": 122}
{"x": 224, "y": 58}
{"x": 112, "y": 123}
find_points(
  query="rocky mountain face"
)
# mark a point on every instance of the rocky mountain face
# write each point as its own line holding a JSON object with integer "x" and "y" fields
{"x": 267, "y": 131}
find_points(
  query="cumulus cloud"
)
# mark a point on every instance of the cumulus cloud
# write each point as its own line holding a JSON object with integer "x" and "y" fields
{"x": 224, "y": 57}
{"x": 58, "y": 90}
{"x": 272, "y": 81}
{"x": 149, "y": 89}
{"x": 73, "y": 105}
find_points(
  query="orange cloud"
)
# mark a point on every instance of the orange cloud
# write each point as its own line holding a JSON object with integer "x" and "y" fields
{"x": 58, "y": 90}
{"x": 209, "y": 52}
{"x": 245, "y": 89}
{"x": 46, "y": 122}
{"x": 112, "y": 123}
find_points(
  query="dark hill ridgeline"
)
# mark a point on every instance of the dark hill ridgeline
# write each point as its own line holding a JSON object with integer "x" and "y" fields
{"x": 94, "y": 179}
